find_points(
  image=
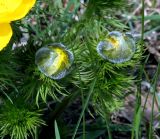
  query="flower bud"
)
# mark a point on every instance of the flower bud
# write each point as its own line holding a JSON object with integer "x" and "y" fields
{"x": 54, "y": 60}
{"x": 117, "y": 47}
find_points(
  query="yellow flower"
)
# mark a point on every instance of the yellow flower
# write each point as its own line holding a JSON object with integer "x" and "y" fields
{"x": 5, "y": 34}
{"x": 11, "y": 10}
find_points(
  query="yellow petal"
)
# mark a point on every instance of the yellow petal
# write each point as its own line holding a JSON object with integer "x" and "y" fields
{"x": 5, "y": 34}
{"x": 8, "y": 6}
{"x": 19, "y": 12}
{"x": 62, "y": 58}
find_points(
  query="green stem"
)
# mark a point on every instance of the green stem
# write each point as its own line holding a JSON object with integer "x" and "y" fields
{"x": 36, "y": 133}
{"x": 144, "y": 106}
{"x": 84, "y": 120}
{"x": 82, "y": 94}
{"x": 84, "y": 108}
{"x": 138, "y": 94}
{"x": 90, "y": 10}
{"x": 108, "y": 130}
{"x": 153, "y": 100}
{"x": 142, "y": 22}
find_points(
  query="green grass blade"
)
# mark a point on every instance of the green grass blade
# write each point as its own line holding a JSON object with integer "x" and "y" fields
{"x": 56, "y": 130}
{"x": 84, "y": 108}
{"x": 136, "y": 125}
{"x": 136, "y": 131}
{"x": 138, "y": 122}
{"x": 152, "y": 17}
{"x": 155, "y": 79}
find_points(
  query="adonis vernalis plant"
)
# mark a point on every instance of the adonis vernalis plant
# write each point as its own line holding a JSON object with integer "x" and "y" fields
{"x": 70, "y": 54}
{"x": 11, "y": 10}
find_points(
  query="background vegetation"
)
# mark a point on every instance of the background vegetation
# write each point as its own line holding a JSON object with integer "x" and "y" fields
{"x": 97, "y": 99}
